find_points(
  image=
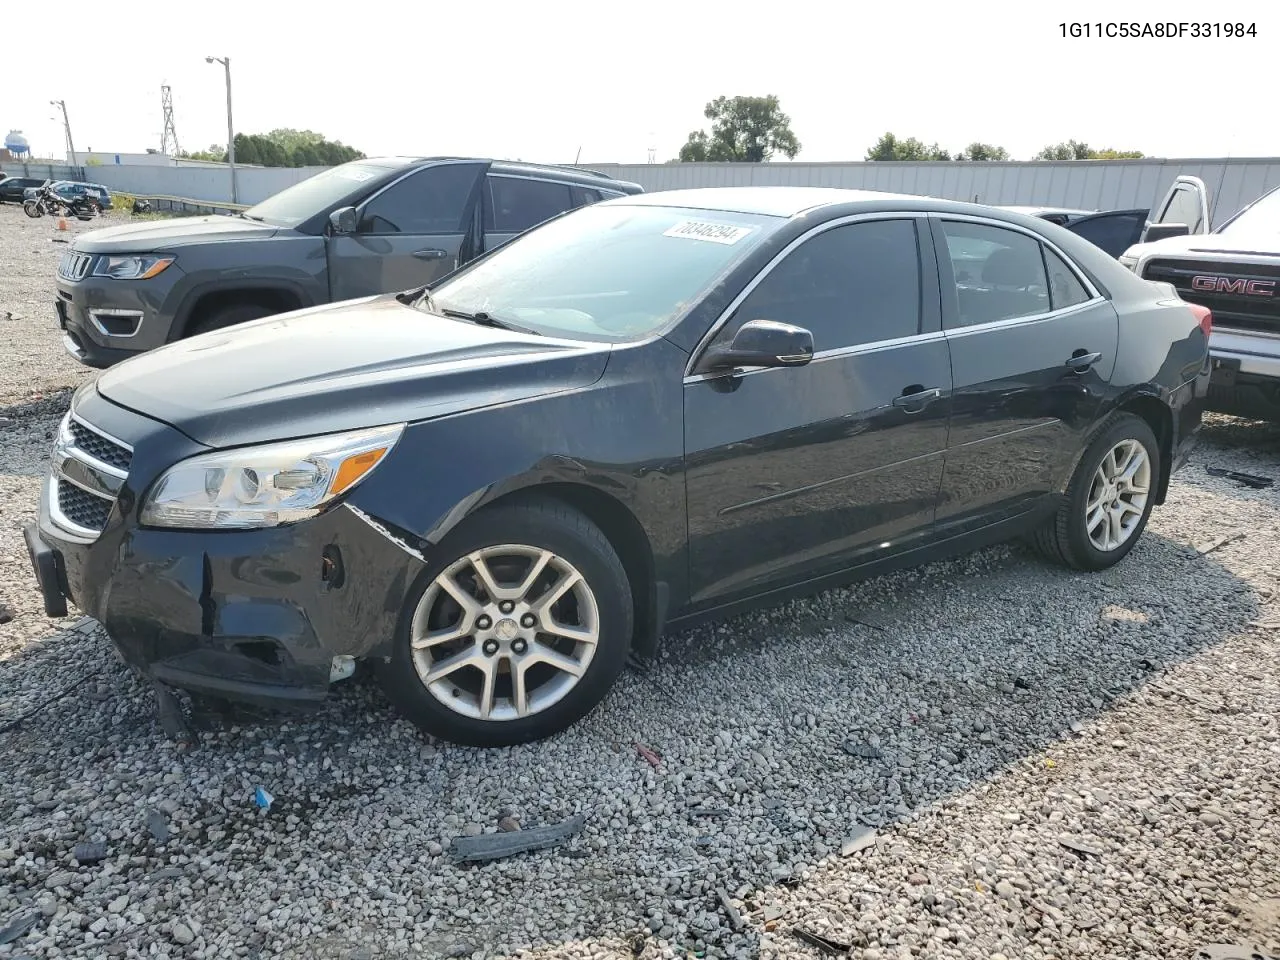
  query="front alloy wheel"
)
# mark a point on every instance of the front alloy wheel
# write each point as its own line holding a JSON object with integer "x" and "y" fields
{"x": 505, "y": 632}
{"x": 516, "y": 632}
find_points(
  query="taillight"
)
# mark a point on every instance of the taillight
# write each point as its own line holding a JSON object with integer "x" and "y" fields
{"x": 1204, "y": 316}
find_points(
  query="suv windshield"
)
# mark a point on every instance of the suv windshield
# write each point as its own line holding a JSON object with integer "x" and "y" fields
{"x": 304, "y": 200}
{"x": 607, "y": 272}
{"x": 1262, "y": 217}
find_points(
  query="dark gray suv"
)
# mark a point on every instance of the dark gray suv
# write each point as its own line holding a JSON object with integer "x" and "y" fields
{"x": 361, "y": 229}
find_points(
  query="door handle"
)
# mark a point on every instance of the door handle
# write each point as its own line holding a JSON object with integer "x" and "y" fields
{"x": 432, "y": 253}
{"x": 1080, "y": 362}
{"x": 917, "y": 399}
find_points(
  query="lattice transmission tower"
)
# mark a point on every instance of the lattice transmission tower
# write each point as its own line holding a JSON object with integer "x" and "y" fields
{"x": 168, "y": 139}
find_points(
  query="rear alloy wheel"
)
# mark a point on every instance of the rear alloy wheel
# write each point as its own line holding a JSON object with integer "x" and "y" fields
{"x": 1109, "y": 499}
{"x": 517, "y": 636}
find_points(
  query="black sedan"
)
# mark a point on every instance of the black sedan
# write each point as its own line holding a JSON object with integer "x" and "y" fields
{"x": 645, "y": 412}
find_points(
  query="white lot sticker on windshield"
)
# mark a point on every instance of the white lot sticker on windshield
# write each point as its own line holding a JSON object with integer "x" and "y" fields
{"x": 358, "y": 175}
{"x": 702, "y": 230}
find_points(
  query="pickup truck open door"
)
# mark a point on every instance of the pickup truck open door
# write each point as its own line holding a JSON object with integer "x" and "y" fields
{"x": 1184, "y": 211}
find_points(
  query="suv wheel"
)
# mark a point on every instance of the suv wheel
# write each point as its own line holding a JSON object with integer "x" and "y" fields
{"x": 517, "y": 631}
{"x": 1109, "y": 499}
{"x": 229, "y": 317}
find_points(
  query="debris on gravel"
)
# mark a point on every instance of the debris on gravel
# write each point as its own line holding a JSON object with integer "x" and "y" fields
{"x": 1066, "y": 765}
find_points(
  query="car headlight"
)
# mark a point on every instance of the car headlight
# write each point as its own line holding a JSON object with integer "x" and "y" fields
{"x": 132, "y": 267}
{"x": 268, "y": 485}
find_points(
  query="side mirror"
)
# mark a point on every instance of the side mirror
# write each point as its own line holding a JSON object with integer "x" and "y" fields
{"x": 1159, "y": 231}
{"x": 763, "y": 343}
{"x": 343, "y": 220}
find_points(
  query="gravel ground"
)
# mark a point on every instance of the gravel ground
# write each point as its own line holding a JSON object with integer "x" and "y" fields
{"x": 983, "y": 758}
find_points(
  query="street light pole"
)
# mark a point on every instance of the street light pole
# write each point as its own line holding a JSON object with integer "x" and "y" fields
{"x": 231, "y": 136}
{"x": 66, "y": 125}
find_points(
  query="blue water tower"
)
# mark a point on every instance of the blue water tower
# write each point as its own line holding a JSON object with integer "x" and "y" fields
{"x": 17, "y": 144}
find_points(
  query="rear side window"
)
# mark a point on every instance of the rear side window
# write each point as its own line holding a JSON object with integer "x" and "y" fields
{"x": 518, "y": 204}
{"x": 999, "y": 274}
{"x": 584, "y": 195}
{"x": 431, "y": 201}
{"x": 1065, "y": 288}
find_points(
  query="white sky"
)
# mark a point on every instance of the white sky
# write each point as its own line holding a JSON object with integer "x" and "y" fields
{"x": 538, "y": 81}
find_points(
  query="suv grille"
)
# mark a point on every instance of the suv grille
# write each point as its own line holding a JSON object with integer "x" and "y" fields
{"x": 1237, "y": 293}
{"x": 89, "y": 468}
{"x": 74, "y": 266}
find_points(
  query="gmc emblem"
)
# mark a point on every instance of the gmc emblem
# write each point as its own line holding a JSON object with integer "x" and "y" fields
{"x": 1238, "y": 286}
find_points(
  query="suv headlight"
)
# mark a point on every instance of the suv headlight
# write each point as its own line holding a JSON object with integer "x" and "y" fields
{"x": 265, "y": 486}
{"x": 131, "y": 267}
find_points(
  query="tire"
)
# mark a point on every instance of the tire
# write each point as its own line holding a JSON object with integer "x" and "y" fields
{"x": 32, "y": 209}
{"x": 1066, "y": 539}
{"x": 452, "y": 707}
{"x": 230, "y": 317}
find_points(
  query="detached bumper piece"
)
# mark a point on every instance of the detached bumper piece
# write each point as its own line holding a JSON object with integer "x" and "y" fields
{"x": 48, "y": 571}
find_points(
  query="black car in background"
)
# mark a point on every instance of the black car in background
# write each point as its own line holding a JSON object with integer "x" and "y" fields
{"x": 12, "y": 189}
{"x": 360, "y": 229}
{"x": 1114, "y": 231}
{"x": 645, "y": 412}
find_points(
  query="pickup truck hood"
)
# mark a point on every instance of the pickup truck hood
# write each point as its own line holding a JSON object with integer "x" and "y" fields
{"x": 157, "y": 235}
{"x": 1217, "y": 245}
{"x": 345, "y": 366}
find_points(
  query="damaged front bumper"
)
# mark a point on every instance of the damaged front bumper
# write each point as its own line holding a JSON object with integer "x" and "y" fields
{"x": 259, "y": 616}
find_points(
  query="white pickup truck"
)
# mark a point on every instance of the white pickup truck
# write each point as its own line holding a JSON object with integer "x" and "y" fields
{"x": 1234, "y": 270}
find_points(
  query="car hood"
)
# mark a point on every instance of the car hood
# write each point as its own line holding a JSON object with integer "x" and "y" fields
{"x": 155, "y": 235}
{"x": 1219, "y": 244}
{"x": 343, "y": 366}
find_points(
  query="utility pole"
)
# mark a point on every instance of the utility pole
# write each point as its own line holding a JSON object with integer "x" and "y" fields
{"x": 66, "y": 125}
{"x": 231, "y": 135}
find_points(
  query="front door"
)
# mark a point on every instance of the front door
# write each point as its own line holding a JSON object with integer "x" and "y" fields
{"x": 514, "y": 204}
{"x": 796, "y": 472}
{"x": 1032, "y": 351}
{"x": 410, "y": 233}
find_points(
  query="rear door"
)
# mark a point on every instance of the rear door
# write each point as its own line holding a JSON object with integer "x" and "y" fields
{"x": 1114, "y": 231}
{"x": 411, "y": 232}
{"x": 1032, "y": 350}
{"x": 515, "y": 203}
{"x": 1186, "y": 203}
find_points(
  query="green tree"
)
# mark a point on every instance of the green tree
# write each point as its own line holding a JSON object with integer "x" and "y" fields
{"x": 283, "y": 147}
{"x": 983, "y": 151}
{"x": 743, "y": 130}
{"x": 1075, "y": 150}
{"x": 215, "y": 153}
{"x": 889, "y": 147}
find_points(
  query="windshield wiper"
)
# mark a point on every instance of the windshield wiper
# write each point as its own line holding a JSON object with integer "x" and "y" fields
{"x": 487, "y": 320}
{"x": 417, "y": 296}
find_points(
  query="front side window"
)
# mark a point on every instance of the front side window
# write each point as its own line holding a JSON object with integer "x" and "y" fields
{"x": 604, "y": 272}
{"x": 518, "y": 204}
{"x": 1183, "y": 207}
{"x": 431, "y": 201}
{"x": 850, "y": 285}
{"x": 999, "y": 274}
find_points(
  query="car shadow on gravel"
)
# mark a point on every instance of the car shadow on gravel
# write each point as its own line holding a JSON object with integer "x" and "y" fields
{"x": 778, "y": 734}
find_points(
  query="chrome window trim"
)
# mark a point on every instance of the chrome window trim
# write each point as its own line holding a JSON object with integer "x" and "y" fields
{"x": 1022, "y": 321}
{"x": 705, "y": 340}
{"x": 96, "y": 312}
{"x": 61, "y": 519}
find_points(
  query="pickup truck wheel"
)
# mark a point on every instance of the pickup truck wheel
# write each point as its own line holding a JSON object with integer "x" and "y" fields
{"x": 229, "y": 317}
{"x": 516, "y": 632}
{"x": 1109, "y": 499}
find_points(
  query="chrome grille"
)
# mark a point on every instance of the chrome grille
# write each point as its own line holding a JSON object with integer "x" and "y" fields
{"x": 74, "y": 266}
{"x": 89, "y": 468}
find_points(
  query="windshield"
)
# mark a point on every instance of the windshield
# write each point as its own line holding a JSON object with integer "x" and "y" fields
{"x": 1262, "y": 217}
{"x": 304, "y": 200}
{"x": 605, "y": 272}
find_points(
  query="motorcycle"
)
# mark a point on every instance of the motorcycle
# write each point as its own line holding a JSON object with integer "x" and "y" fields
{"x": 48, "y": 201}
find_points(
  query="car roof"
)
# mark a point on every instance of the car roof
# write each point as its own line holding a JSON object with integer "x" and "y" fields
{"x": 1037, "y": 211}
{"x": 569, "y": 174}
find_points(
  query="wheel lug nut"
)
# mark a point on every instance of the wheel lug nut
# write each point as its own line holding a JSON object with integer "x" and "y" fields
{"x": 490, "y": 647}
{"x": 506, "y": 606}
{"x": 519, "y": 646}
{"x": 527, "y": 620}
{"x": 483, "y": 623}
